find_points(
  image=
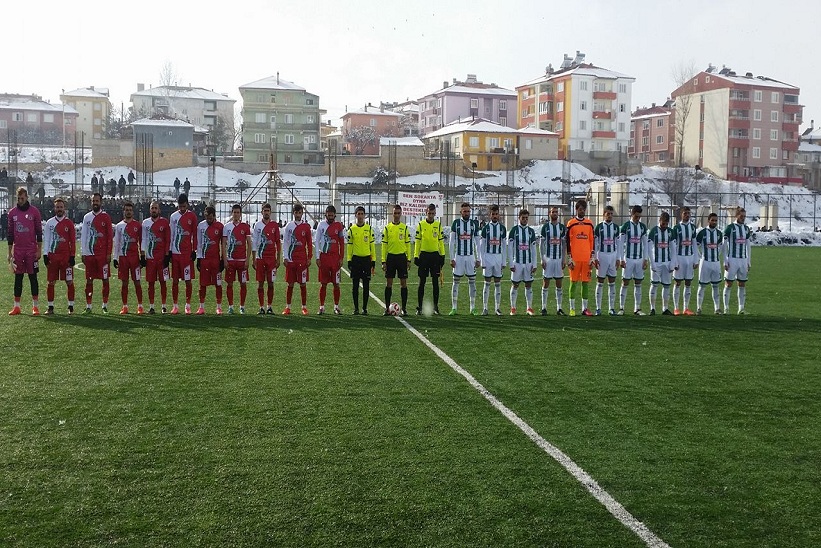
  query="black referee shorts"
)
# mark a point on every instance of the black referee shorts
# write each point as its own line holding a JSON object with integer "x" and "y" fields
{"x": 361, "y": 267}
{"x": 430, "y": 264}
{"x": 396, "y": 266}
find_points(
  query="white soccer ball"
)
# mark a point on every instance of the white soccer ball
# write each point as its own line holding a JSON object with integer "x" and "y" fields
{"x": 394, "y": 309}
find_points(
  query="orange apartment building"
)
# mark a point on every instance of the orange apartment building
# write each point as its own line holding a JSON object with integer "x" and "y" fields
{"x": 653, "y": 134}
{"x": 384, "y": 123}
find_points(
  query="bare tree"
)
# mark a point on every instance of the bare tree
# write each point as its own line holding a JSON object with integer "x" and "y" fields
{"x": 168, "y": 74}
{"x": 682, "y": 73}
{"x": 677, "y": 183}
{"x": 360, "y": 137}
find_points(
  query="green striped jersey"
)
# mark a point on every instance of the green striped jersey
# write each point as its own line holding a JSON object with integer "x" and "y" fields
{"x": 493, "y": 237}
{"x": 685, "y": 236}
{"x": 522, "y": 244}
{"x": 634, "y": 236}
{"x": 464, "y": 233}
{"x": 554, "y": 240}
{"x": 606, "y": 237}
{"x": 660, "y": 240}
{"x": 709, "y": 241}
{"x": 737, "y": 238}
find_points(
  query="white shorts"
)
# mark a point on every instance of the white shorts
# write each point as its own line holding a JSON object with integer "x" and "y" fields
{"x": 465, "y": 266}
{"x": 737, "y": 270}
{"x": 685, "y": 269}
{"x": 492, "y": 265}
{"x": 660, "y": 273}
{"x": 607, "y": 265}
{"x": 523, "y": 273}
{"x": 553, "y": 270}
{"x": 633, "y": 270}
{"x": 709, "y": 272}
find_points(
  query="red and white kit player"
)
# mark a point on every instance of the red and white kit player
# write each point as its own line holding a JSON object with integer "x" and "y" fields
{"x": 236, "y": 254}
{"x": 155, "y": 254}
{"x": 297, "y": 250}
{"x": 96, "y": 237}
{"x": 183, "y": 245}
{"x": 265, "y": 251}
{"x": 329, "y": 249}
{"x": 59, "y": 246}
{"x": 127, "y": 237}
{"x": 209, "y": 261}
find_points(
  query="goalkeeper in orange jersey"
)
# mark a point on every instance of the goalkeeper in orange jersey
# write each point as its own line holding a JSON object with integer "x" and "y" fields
{"x": 582, "y": 255}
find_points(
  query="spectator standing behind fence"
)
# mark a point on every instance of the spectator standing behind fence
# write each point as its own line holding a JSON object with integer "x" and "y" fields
{"x": 94, "y": 183}
{"x": 121, "y": 185}
{"x": 4, "y": 221}
{"x": 177, "y": 185}
{"x": 186, "y": 186}
{"x": 29, "y": 181}
{"x": 131, "y": 178}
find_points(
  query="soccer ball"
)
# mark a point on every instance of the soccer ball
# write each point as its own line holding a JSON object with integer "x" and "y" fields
{"x": 394, "y": 309}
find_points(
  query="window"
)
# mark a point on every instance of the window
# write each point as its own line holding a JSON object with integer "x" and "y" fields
{"x": 69, "y": 121}
{"x": 373, "y": 122}
{"x": 757, "y": 115}
{"x": 757, "y": 133}
{"x": 701, "y": 134}
{"x": 645, "y": 141}
{"x": 560, "y": 106}
{"x": 273, "y": 121}
{"x": 757, "y": 96}
{"x": 502, "y": 104}
{"x": 474, "y": 142}
{"x": 528, "y": 144}
{"x": 503, "y": 120}
{"x": 736, "y": 152}
{"x": 273, "y": 137}
{"x": 456, "y": 142}
{"x": 756, "y": 152}
{"x": 287, "y": 159}
{"x": 660, "y": 122}
{"x": 309, "y": 119}
{"x": 583, "y": 86}
{"x": 773, "y": 135}
{"x": 439, "y": 102}
{"x": 273, "y": 99}
{"x": 701, "y": 116}
{"x": 3, "y": 124}
{"x": 701, "y": 99}
{"x": 645, "y": 124}
{"x": 622, "y": 107}
{"x": 49, "y": 119}
{"x": 560, "y": 87}
{"x": 474, "y": 103}
{"x": 289, "y": 139}
{"x": 621, "y": 127}
{"x": 493, "y": 142}
{"x": 773, "y": 154}
{"x": 659, "y": 139}
{"x": 583, "y": 124}
{"x": 32, "y": 117}
{"x": 786, "y": 155}
{"x": 559, "y": 126}
{"x": 259, "y": 138}
{"x": 508, "y": 144}
{"x": 775, "y": 97}
{"x": 262, "y": 157}
{"x": 289, "y": 118}
{"x": 581, "y": 145}
{"x": 16, "y": 116}
{"x": 583, "y": 105}
{"x": 622, "y": 88}
{"x": 97, "y": 122}
{"x": 630, "y": 143}
{"x": 312, "y": 139}
{"x": 706, "y": 79}
{"x": 309, "y": 101}
{"x": 259, "y": 118}
{"x": 773, "y": 116}
{"x": 98, "y": 106}
{"x": 525, "y": 94}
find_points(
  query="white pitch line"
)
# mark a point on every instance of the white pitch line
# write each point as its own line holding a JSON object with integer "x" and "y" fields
{"x": 616, "y": 509}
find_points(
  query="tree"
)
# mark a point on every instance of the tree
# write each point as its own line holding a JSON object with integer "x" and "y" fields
{"x": 677, "y": 183}
{"x": 682, "y": 73}
{"x": 224, "y": 135}
{"x": 361, "y": 137}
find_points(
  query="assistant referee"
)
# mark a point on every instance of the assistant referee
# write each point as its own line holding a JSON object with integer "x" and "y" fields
{"x": 361, "y": 259}
{"x": 429, "y": 255}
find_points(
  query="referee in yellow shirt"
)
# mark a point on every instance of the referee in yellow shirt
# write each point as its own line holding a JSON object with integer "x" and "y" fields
{"x": 361, "y": 259}
{"x": 429, "y": 255}
{"x": 396, "y": 257}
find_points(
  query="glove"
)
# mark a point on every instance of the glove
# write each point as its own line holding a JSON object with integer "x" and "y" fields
{"x": 416, "y": 261}
{"x": 167, "y": 260}
{"x": 143, "y": 262}
{"x": 349, "y": 265}
{"x": 193, "y": 256}
{"x": 116, "y": 263}
{"x": 71, "y": 261}
{"x": 198, "y": 265}
{"x": 45, "y": 260}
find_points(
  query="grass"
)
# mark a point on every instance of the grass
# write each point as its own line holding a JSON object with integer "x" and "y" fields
{"x": 316, "y": 431}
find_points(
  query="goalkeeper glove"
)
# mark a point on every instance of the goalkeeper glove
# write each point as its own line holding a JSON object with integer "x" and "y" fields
{"x": 167, "y": 260}
{"x": 71, "y": 261}
{"x": 116, "y": 263}
{"x": 193, "y": 256}
{"x": 143, "y": 262}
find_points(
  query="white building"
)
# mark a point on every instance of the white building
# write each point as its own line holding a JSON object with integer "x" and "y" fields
{"x": 198, "y": 106}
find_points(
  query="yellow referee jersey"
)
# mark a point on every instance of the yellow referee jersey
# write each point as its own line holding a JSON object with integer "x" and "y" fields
{"x": 360, "y": 241}
{"x": 429, "y": 238}
{"x": 395, "y": 240}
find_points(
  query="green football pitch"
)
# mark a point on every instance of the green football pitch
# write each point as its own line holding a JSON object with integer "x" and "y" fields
{"x": 348, "y": 431}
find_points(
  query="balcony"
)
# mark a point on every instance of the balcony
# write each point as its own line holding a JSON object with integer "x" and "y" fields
{"x": 792, "y": 108}
{"x": 602, "y": 114}
{"x": 790, "y": 125}
{"x": 792, "y": 146}
{"x": 738, "y": 122}
{"x": 604, "y": 134}
{"x": 738, "y": 141}
{"x": 608, "y": 95}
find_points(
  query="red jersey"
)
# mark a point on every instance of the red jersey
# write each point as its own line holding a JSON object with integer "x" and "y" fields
{"x": 60, "y": 237}
{"x": 156, "y": 237}
{"x": 236, "y": 245}
{"x": 265, "y": 240}
{"x": 297, "y": 244}
{"x": 330, "y": 239}
{"x": 97, "y": 234}
{"x": 183, "y": 232}
{"x": 127, "y": 238}
{"x": 210, "y": 239}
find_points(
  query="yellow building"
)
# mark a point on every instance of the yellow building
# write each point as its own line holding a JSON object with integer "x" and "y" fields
{"x": 94, "y": 109}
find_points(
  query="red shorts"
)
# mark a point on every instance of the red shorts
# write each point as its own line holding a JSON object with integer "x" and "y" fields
{"x": 26, "y": 261}
{"x": 266, "y": 271}
{"x": 296, "y": 273}
{"x": 129, "y": 268}
{"x": 236, "y": 270}
{"x": 210, "y": 272}
{"x": 58, "y": 269}
{"x": 181, "y": 267}
{"x": 96, "y": 267}
{"x": 155, "y": 270}
{"x": 580, "y": 271}
{"x": 329, "y": 269}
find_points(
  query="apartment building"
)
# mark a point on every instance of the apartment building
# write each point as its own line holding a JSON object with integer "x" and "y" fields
{"x": 282, "y": 118}
{"x": 588, "y": 106}
{"x": 653, "y": 134}
{"x": 742, "y": 128}
{"x": 383, "y": 123}
{"x": 466, "y": 100}
{"x": 32, "y": 121}
{"x": 199, "y": 106}
{"x": 94, "y": 109}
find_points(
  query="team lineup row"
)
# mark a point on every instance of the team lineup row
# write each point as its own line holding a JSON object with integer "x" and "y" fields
{"x": 171, "y": 249}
